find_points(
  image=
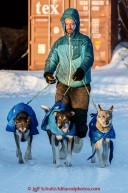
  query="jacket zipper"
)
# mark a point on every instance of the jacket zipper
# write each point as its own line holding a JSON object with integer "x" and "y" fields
{"x": 69, "y": 62}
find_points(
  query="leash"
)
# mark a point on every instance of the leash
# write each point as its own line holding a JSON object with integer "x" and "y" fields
{"x": 66, "y": 92}
{"x": 86, "y": 90}
{"x": 38, "y": 94}
{"x": 89, "y": 95}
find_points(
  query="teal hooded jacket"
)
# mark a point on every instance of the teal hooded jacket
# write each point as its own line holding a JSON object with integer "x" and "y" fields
{"x": 70, "y": 52}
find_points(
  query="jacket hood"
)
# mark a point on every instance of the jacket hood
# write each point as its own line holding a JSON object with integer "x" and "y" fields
{"x": 73, "y": 14}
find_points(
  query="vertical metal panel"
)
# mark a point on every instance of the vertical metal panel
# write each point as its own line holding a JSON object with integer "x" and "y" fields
{"x": 44, "y": 29}
{"x": 95, "y": 18}
{"x": 101, "y": 31}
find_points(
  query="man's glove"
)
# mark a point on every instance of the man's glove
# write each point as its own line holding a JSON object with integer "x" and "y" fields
{"x": 49, "y": 78}
{"x": 78, "y": 75}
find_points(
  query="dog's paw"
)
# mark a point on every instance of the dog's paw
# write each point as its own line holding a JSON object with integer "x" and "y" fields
{"x": 102, "y": 165}
{"x": 21, "y": 161}
{"x": 30, "y": 157}
{"x": 68, "y": 164}
{"x": 93, "y": 160}
{"x": 59, "y": 165}
{"x": 27, "y": 157}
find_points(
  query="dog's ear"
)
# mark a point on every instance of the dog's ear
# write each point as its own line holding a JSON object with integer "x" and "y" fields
{"x": 28, "y": 119}
{"x": 99, "y": 108}
{"x": 16, "y": 120}
{"x": 71, "y": 113}
{"x": 45, "y": 108}
{"x": 111, "y": 109}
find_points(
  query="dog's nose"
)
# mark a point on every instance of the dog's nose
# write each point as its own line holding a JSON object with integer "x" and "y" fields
{"x": 107, "y": 122}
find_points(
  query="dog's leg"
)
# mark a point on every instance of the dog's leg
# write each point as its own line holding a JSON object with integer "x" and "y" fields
{"x": 69, "y": 151}
{"x": 18, "y": 150}
{"x": 57, "y": 154}
{"x": 105, "y": 144}
{"x": 53, "y": 148}
{"x": 28, "y": 155}
{"x": 97, "y": 146}
{"x": 93, "y": 159}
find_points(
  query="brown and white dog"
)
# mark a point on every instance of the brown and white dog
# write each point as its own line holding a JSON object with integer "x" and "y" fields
{"x": 64, "y": 122}
{"x": 101, "y": 128}
{"x": 23, "y": 127}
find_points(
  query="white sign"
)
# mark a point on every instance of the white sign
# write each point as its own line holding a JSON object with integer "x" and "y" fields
{"x": 56, "y": 30}
{"x": 41, "y": 48}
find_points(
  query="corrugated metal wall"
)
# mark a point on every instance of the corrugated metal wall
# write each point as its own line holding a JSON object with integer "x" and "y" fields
{"x": 45, "y": 28}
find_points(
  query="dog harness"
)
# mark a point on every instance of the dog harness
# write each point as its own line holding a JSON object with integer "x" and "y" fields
{"x": 17, "y": 109}
{"x": 96, "y": 135}
{"x": 49, "y": 122}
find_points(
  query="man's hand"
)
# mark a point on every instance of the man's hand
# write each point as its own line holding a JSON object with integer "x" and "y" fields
{"x": 78, "y": 75}
{"x": 49, "y": 78}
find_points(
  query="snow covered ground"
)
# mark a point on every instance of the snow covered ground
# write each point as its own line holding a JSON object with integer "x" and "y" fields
{"x": 109, "y": 87}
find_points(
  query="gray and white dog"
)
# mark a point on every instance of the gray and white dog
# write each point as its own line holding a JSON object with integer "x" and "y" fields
{"x": 100, "y": 133}
{"x": 23, "y": 127}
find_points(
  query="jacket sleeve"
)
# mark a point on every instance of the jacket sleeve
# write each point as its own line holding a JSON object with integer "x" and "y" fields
{"x": 52, "y": 60}
{"x": 88, "y": 56}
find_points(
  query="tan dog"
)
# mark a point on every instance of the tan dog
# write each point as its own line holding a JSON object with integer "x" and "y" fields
{"x": 100, "y": 133}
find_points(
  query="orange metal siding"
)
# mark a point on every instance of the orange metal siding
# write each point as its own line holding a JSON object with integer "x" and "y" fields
{"x": 45, "y": 28}
{"x": 95, "y": 17}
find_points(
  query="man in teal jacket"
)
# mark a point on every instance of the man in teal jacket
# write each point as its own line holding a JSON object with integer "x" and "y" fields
{"x": 72, "y": 58}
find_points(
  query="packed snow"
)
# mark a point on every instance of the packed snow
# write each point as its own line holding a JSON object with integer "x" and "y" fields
{"x": 109, "y": 87}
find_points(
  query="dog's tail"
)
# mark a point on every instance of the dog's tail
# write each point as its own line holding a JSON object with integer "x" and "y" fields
{"x": 92, "y": 155}
{"x": 111, "y": 151}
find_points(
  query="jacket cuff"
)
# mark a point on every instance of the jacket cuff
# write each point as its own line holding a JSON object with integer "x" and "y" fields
{"x": 47, "y": 74}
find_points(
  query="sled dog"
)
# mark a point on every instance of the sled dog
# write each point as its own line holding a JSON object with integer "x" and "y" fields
{"x": 23, "y": 127}
{"x": 61, "y": 129}
{"x": 100, "y": 132}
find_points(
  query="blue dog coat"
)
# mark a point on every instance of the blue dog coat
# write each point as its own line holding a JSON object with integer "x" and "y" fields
{"x": 96, "y": 135}
{"x": 17, "y": 109}
{"x": 49, "y": 121}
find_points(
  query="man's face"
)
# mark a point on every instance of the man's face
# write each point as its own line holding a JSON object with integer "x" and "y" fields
{"x": 69, "y": 23}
